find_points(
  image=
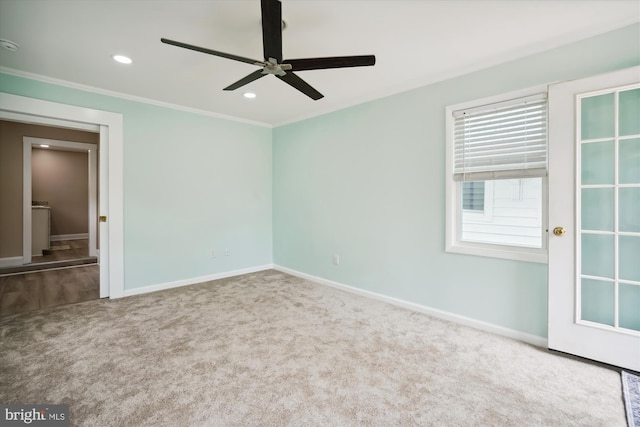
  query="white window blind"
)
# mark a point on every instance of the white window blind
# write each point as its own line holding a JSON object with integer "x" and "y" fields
{"x": 503, "y": 140}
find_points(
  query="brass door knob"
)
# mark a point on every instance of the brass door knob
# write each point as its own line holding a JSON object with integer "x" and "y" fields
{"x": 559, "y": 231}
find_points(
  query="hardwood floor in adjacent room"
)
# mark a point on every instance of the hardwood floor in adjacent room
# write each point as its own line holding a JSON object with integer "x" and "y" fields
{"x": 64, "y": 250}
{"x": 63, "y": 253}
{"x": 20, "y": 293}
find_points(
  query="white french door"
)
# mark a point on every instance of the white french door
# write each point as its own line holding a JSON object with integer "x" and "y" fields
{"x": 594, "y": 218}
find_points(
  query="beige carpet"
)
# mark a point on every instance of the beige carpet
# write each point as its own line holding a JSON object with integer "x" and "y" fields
{"x": 274, "y": 350}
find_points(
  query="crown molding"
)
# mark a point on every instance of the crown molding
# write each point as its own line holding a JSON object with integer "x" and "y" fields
{"x": 99, "y": 91}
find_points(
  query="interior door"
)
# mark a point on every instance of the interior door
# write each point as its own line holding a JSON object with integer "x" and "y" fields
{"x": 594, "y": 218}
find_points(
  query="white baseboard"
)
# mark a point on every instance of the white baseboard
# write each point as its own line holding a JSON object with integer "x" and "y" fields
{"x": 77, "y": 236}
{"x": 10, "y": 261}
{"x": 194, "y": 280}
{"x": 441, "y": 314}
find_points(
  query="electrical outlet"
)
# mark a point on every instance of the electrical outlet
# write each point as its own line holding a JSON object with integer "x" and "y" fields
{"x": 336, "y": 259}
{"x": 227, "y": 252}
{"x": 213, "y": 253}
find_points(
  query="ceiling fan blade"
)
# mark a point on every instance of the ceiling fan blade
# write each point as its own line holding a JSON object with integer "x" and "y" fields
{"x": 213, "y": 52}
{"x": 301, "y": 85}
{"x": 245, "y": 80}
{"x": 272, "y": 29}
{"x": 331, "y": 62}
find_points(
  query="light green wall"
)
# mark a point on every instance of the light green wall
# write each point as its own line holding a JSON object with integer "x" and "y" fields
{"x": 368, "y": 183}
{"x": 192, "y": 183}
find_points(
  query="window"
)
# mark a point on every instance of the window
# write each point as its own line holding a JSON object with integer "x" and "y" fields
{"x": 496, "y": 176}
{"x": 473, "y": 196}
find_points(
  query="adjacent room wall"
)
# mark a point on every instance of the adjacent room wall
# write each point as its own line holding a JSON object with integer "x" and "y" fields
{"x": 368, "y": 183}
{"x": 61, "y": 178}
{"x": 11, "y": 143}
{"x": 192, "y": 184}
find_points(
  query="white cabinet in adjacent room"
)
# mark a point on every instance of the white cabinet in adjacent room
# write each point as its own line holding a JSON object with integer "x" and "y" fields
{"x": 40, "y": 229}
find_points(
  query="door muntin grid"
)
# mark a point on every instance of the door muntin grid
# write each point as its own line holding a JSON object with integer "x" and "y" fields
{"x": 608, "y": 206}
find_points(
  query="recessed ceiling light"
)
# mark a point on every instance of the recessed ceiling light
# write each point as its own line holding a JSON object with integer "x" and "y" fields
{"x": 9, "y": 45}
{"x": 249, "y": 95}
{"x": 44, "y": 146}
{"x": 122, "y": 59}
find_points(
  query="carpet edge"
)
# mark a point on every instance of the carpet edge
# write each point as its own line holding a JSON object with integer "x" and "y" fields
{"x": 440, "y": 314}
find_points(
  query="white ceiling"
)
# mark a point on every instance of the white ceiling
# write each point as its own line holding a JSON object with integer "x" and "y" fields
{"x": 416, "y": 42}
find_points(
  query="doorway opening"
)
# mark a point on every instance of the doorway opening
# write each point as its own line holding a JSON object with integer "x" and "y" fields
{"x": 109, "y": 126}
{"x": 56, "y": 209}
{"x": 50, "y": 182}
{"x": 60, "y": 202}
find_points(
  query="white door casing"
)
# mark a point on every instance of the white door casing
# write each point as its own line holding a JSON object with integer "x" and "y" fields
{"x": 568, "y": 330}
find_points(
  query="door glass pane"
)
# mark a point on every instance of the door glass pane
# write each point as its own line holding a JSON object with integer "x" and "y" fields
{"x": 597, "y": 118}
{"x": 629, "y": 258}
{"x": 629, "y": 209}
{"x": 629, "y": 162}
{"x": 609, "y": 209}
{"x": 597, "y": 209}
{"x": 629, "y": 112}
{"x": 597, "y": 255}
{"x": 629, "y": 306}
{"x": 597, "y": 301}
{"x": 597, "y": 163}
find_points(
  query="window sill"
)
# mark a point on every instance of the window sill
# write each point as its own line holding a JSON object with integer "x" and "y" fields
{"x": 497, "y": 251}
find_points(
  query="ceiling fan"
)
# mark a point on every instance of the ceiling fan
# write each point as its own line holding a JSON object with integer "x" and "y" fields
{"x": 273, "y": 62}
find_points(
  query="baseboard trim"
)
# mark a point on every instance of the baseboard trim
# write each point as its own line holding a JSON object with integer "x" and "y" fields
{"x": 10, "y": 261}
{"x": 440, "y": 314}
{"x": 195, "y": 280}
{"x": 77, "y": 236}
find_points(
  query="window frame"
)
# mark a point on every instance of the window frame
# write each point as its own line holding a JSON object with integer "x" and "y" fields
{"x": 453, "y": 219}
